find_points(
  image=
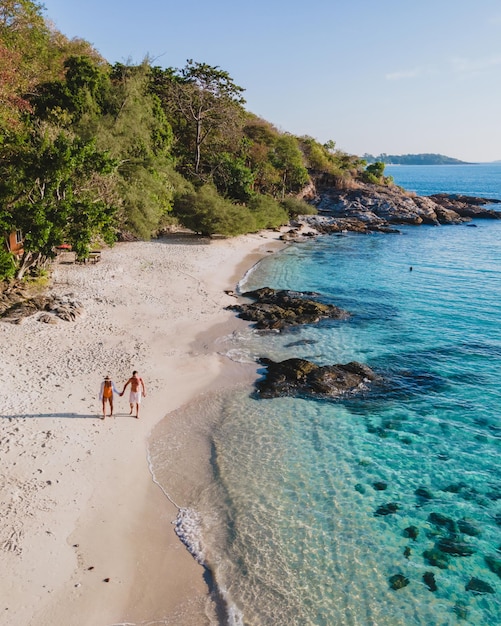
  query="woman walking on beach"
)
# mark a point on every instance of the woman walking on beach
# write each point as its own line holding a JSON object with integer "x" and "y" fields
{"x": 136, "y": 389}
{"x": 106, "y": 394}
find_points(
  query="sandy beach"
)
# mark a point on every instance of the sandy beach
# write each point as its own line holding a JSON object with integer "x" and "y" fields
{"x": 86, "y": 536}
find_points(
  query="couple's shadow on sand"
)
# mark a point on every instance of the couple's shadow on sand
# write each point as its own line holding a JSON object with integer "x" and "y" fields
{"x": 95, "y": 416}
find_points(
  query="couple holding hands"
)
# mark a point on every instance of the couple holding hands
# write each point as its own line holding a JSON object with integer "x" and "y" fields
{"x": 137, "y": 390}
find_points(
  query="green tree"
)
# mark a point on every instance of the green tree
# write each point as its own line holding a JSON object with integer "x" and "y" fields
{"x": 233, "y": 178}
{"x": 24, "y": 42}
{"x": 374, "y": 173}
{"x": 286, "y": 157}
{"x": 55, "y": 192}
{"x": 208, "y": 101}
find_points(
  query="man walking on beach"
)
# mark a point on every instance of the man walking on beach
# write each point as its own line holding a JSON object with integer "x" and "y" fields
{"x": 136, "y": 390}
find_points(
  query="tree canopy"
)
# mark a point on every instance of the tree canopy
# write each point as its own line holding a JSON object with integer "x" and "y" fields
{"x": 91, "y": 151}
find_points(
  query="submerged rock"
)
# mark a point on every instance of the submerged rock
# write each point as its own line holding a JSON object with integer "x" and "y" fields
{"x": 461, "y": 610}
{"x": 443, "y": 521}
{"x": 429, "y": 581}
{"x": 468, "y": 527}
{"x": 387, "y": 509}
{"x": 424, "y": 494}
{"x": 436, "y": 558}
{"x": 478, "y": 586}
{"x": 398, "y": 581}
{"x": 277, "y": 309}
{"x": 456, "y": 547}
{"x": 301, "y": 377}
{"x": 411, "y": 532}
{"x": 494, "y": 564}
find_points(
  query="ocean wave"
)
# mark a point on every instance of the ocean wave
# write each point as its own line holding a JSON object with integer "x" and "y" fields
{"x": 188, "y": 527}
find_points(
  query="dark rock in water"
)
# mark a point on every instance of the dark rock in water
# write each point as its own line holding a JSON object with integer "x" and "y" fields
{"x": 467, "y": 206}
{"x": 411, "y": 532}
{"x": 398, "y": 581}
{"x": 494, "y": 564}
{"x": 478, "y": 586}
{"x": 468, "y": 527}
{"x": 455, "y": 488}
{"x": 380, "y": 486}
{"x": 461, "y": 610}
{"x": 429, "y": 581}
{"x": 275, "y": 310}
{"x": 424, "y": 494}
{"x": 387, "y": 509}
{"x": 294, "y": 377}
{"x": 360, "y": 488}
{"x": 494, "y": 495}
{"x": 455, "y": 547}
{"x": 407, "y": 552}
{"x": 436, "y": 558}
{"x": 441, "y": 520}
{"x": 301, "y": 342}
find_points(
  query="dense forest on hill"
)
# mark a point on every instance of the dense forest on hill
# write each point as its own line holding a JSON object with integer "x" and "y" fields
{"x": 91, "y": 152}
{"x": 413, "y": 159}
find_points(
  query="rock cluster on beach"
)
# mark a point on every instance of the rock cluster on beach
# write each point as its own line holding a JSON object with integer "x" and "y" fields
{"x": 276, "y": 309}
{"x": 50, "y": 308}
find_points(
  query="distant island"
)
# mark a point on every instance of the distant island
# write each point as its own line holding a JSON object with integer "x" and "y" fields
{"x": 413, "y": 159}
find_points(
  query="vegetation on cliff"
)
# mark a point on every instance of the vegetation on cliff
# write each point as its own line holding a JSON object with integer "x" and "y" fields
{"x": 90, "y": 152}
{"x": 413, "y": 159}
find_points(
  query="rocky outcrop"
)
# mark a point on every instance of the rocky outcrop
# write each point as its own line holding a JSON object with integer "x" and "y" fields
{"x": 50, "y": 307}
{"x": 275, "y": 310}
{"x": 299, "y": 377}
{"x": 467, "y": 206}
{"x": 369, "y": 208}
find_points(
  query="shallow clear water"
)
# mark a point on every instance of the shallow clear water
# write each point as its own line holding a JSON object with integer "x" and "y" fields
{"x": 291, "y": 521}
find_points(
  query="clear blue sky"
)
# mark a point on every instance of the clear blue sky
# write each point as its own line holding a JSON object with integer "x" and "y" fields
{"x": 394, "y": 76}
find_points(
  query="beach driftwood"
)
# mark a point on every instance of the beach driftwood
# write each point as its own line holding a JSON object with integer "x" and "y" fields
{"x": 276, "y": 309}
{"x": 294, "y": 377}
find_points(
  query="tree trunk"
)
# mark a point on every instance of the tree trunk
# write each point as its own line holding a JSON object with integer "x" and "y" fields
{"x": 28, "y": 260}
{"x": 197, "y": 146}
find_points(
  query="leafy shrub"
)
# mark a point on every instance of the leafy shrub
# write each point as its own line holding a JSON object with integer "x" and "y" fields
{"x": 207, "y": 213}
{"x": 7, "y": 264}
{"x": 295, "y": 207}
{"x": 267, "y": 212}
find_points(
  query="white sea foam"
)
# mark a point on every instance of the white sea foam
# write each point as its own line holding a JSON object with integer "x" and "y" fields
{"x": 188, "y": 528}
{"x": 241, "y": 286}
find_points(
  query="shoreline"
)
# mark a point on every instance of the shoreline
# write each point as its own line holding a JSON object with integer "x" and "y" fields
{"x": 87, "y": 537}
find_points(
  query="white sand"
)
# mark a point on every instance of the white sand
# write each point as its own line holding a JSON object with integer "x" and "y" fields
{"x": 77, "y": 500}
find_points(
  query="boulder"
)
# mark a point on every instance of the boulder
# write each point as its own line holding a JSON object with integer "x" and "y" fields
{"x": 386, "y": 509}
{"x": 429, "y": 581}
{"x": 494, "y": 564}
{"x": 456, "y": 547}
{"x": 299, "y": 377}
{"x": 277, "y": 309}
{"x": 398, "y": 581}
{"x": 478, "y": 587}
{"x": 411, "y": 532}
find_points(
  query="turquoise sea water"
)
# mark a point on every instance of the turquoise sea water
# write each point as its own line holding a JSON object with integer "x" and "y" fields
{"x": 292, "y": 522}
